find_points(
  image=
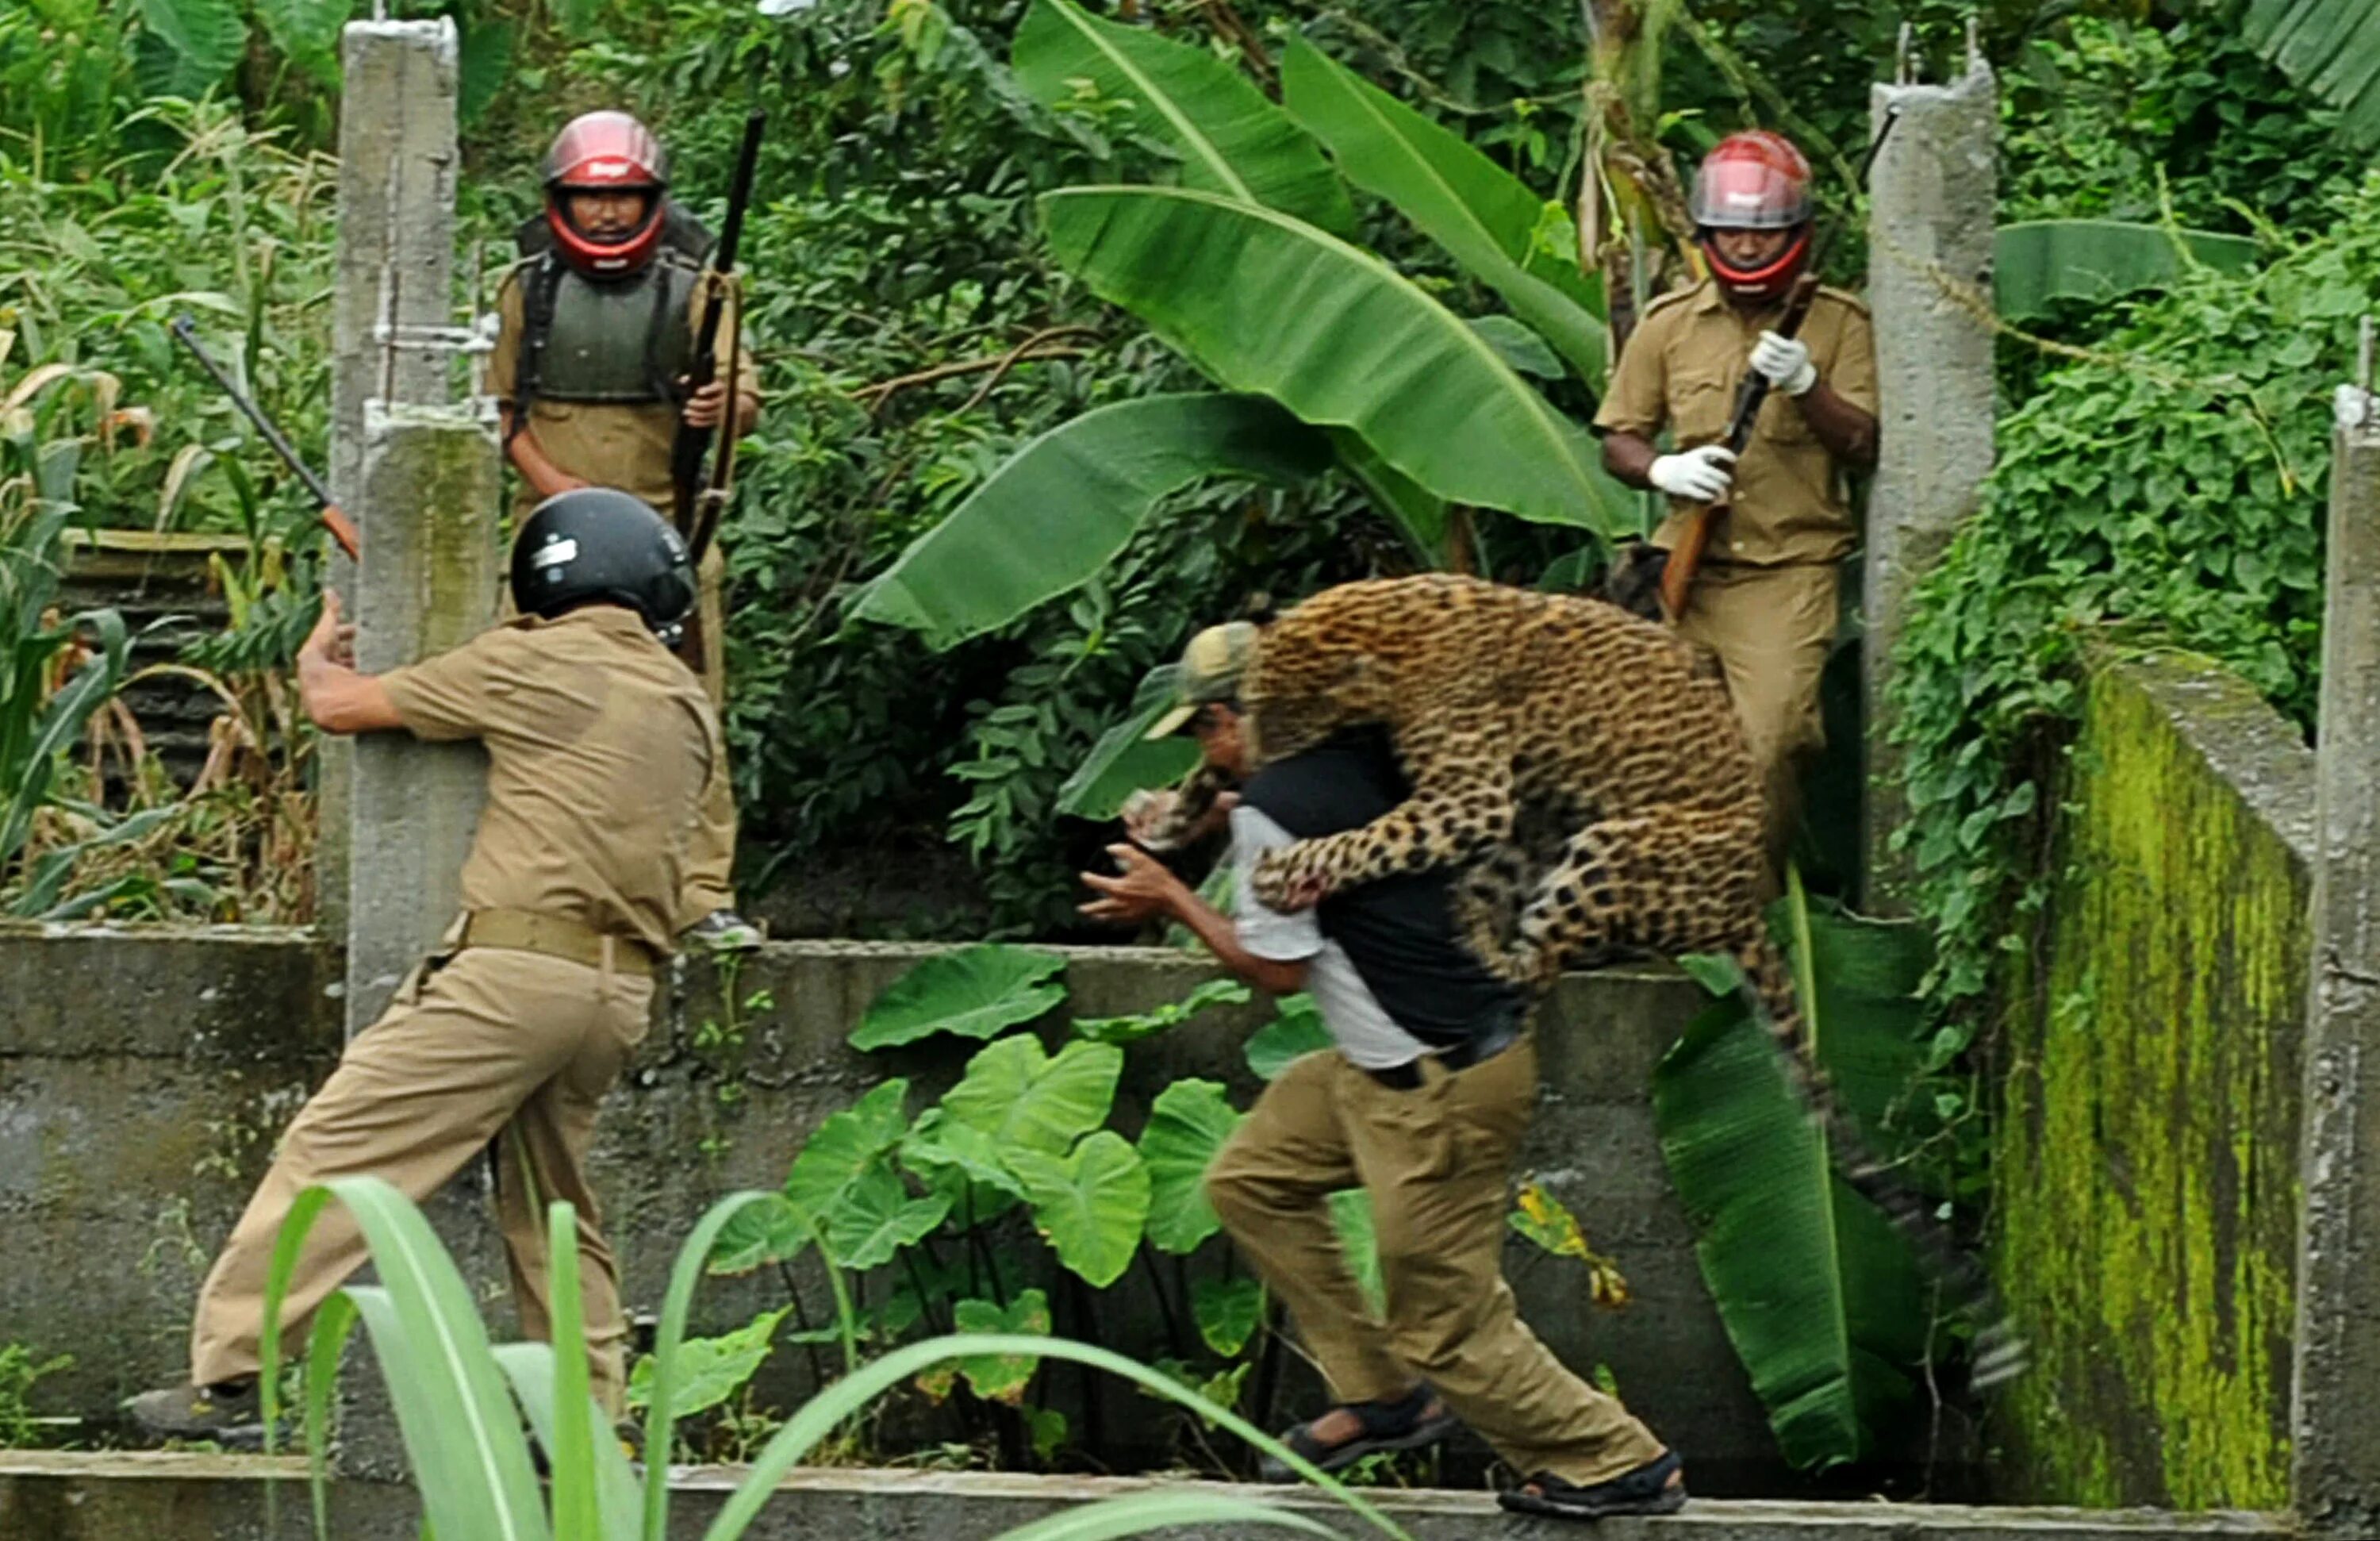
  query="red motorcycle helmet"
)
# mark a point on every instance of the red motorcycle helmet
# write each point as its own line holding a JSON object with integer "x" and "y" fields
{"x": 1754, "y": 181}
{"x": 606, "y": 151}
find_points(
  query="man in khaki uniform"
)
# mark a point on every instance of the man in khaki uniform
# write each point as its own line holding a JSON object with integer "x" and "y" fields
{"x": 1765, "y": 600}
{"x": 599, "y": 746}
{"x": 1422, "y": 1101}
{"x": 591, "y": 394}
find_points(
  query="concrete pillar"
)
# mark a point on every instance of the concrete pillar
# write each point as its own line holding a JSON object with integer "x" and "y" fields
{"x": 396, "y": 263}
{"x": 428, "y": 583}
{"x": 1930, "y": 221}
{"x": 2335, "y": 1432}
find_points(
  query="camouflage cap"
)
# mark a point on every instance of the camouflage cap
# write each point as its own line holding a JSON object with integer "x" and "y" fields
{"x": 1210, "y": 671}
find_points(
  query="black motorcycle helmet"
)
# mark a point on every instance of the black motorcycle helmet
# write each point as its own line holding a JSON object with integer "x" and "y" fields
{"x": 598, "y": 545}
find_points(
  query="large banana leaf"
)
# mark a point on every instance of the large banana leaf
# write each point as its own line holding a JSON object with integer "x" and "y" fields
{"x": 1485, "y": 217}
{"x": 1231, "y": 139}
{"x": 1823, "y": 1299}
{"x": 2042, "y": 261}
{"x": 2331, "y": 48}
{"x": 1266, "y": 304}
{"x": 1060, "y": 508}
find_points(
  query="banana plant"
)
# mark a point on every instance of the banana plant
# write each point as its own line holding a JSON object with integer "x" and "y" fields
{"x": 460, "y": 1401}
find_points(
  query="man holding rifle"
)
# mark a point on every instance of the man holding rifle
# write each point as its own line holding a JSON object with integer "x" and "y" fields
{"x": 1763, "y": 594}
{"x": 599, "y": 322}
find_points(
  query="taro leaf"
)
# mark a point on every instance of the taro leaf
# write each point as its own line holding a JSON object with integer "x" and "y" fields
{"x": 710, "y": 1370}
{"x": 1059, "y": 510}
{"x": 1187, "y": 1124}
{"x": 1359, "y": 1241}
{"x": 1089, "y": 1205}
{"x": 1048, "y": 1427}
{"x": 1548, "y": 1222}
{"x": 1172, "y": 1014}
{"x": 186, "y": 46}
{"x": 2039, "y": 262}
{"x": 973, "y": 992}
{"x": 846, "y": 1146}
{"x": 1228, "y": 1312}
{"x": 1126, "y": 759}
{"x": 1267, "y": 304}
{"x": 1484, "y": 216}
{"x": 1002, "y": 1377}
{"x": 1232, "y": 140}
{"x": 307, "y": 31}
{"x": 758, "y": 1234}
{"x": 1028, "y": 1100}
{"x": 941, "y": 1143}
{"x": 1294, "y": 1033}
{"x": 876, "y": 1216}
{"x": 485, "y": 65}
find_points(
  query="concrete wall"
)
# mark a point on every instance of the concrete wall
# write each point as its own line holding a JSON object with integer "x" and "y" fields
{"x": 142, "y": 1079}
{"x": 2148, "y": 1160}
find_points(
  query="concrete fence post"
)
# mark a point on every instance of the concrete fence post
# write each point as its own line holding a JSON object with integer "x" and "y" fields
{"x": 2336, "y": 1436}
{"x": 1932, "y": 196}
{"x": 394, "y": 265}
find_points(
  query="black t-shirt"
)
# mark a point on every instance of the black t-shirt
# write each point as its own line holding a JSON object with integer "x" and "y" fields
{"x": 1398, "y": 933}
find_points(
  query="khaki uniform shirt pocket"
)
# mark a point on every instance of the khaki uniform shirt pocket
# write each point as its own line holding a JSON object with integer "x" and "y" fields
{"x": 1700, "y": 403}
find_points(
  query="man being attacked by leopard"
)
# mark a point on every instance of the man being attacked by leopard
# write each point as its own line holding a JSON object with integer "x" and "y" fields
{"x": 1422, "y": 1100}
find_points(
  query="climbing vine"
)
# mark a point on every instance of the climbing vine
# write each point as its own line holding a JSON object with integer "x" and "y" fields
{"x": 2170, "y": 493}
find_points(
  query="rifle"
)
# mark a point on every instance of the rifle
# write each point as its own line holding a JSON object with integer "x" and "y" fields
{"x": 699, "y": 497}
{"x": 1678, "y": 572}
{"x": 342, "y": 528}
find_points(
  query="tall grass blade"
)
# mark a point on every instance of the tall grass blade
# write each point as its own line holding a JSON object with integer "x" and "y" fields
{"x": 1141, "y": 1512}
{"x": 332, "y": 1325}
{"x": 572, "y": 1446}
{"x": 684, "y": 1276}
{"x": 530, "y": 1367}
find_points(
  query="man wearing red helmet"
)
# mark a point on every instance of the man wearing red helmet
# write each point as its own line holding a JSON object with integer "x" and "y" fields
{"x": 1765, "y": 600}
{"x": 599, "y": 324}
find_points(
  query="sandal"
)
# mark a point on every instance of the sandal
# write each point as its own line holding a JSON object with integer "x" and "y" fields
{"x": 1659, "y": 1486}
{"x": 1412, "y": 1421}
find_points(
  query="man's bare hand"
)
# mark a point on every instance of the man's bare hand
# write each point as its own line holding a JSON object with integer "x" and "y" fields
{"x": 1147, "y": 889}
{"x": 706, "y": 407}
{"x": 329, "y": 639}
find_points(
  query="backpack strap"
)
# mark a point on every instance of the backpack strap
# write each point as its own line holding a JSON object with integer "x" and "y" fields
{"x": 536, "y": 330}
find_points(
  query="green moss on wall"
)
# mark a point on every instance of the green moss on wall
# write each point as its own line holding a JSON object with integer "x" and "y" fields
{"x": 2146, "y": 1160}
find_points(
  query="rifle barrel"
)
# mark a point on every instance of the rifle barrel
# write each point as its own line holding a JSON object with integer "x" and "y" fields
{"x": 189, "y": 336}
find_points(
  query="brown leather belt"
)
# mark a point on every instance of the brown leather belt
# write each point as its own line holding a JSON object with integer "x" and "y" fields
{"x": 525, "y": 932}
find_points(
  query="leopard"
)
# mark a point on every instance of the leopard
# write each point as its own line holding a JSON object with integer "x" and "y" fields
{"x": 1579, "y": 772}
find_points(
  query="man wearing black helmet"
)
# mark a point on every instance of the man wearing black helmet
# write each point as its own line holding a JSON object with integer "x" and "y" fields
{"x": 600, "y": 745}
{"x": 598, "y": 325}
{"x": 1765, "y": 597}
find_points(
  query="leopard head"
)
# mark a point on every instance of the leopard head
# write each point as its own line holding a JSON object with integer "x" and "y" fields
{"x": 1305, "y": 685}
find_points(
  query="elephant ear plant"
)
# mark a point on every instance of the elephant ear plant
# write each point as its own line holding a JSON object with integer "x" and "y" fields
{"x": 461, "y": 1403}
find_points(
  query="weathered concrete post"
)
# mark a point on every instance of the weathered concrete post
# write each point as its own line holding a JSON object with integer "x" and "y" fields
{"x": 395, "y": 261}
{"x": 1930, "y": 219}
{"x": 428, "y": 583}
{"x": 2336, "y": 1434}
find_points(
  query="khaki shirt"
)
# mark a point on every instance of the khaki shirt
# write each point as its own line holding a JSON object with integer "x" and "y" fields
{"x": 623, "y": 444}
{"x": 1681, "y": 369}
{"x": 599, "y": 744}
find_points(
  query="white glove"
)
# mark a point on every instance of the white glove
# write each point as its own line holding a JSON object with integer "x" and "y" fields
{"x": 2352, "y": 406}
{"x": 1703, "y": 473}
{"x": 1786, "y": 362}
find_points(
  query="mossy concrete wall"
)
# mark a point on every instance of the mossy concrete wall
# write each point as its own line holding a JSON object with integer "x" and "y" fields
{"x": 2146, "y": 1161}
{"x": 144, "y": 1076}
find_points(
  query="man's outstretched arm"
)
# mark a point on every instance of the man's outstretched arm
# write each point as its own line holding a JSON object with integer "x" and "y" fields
{"x": 1149, "y": 889}
{"x": 338, "y": 699}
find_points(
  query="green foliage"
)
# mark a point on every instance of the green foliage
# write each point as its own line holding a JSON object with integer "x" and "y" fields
{"x": 1187, "y": 1124}
{"x": 974, "y": 993}
{"x": 1823, "y": 1299}
{"x": 2039, "y": 263}
{"x": 2169, "y": 489}
{"x": 2330, "y": 48}
{"x": 20, "y": 1371}
{"x": 1091, "y": 1204}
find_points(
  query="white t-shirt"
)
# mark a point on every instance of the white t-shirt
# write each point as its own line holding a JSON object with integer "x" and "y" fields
{"x": 1365, "y": 1033}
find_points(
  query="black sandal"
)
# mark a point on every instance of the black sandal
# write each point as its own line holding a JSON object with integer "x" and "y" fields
{"x": 1402, "y": 1424}
{"x": 1659, "y": 1486}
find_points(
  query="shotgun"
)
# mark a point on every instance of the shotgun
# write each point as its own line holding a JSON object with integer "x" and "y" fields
{"x": 701, "y": 491}
{"x": 342, "y": 528}
{"x": 1678, "y": 571}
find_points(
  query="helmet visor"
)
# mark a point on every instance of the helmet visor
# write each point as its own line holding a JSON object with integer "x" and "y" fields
{"x": 1744, "y": 193}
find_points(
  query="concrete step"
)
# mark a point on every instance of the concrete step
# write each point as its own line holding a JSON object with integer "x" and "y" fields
{"x": 75, "y": 1497}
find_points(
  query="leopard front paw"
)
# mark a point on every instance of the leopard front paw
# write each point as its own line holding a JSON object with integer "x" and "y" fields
{"x": 1285, "y": 881}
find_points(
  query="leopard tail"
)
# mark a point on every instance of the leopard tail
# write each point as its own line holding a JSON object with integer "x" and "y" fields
{"x": 1999, "y": 1353}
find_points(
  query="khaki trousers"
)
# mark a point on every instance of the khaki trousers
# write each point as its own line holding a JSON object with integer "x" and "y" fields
{"x": 709, "y": 881}
{"x": 1772, "y": 628}
{"x": 498, "y": 1045}
{"x": 1435, "y": 1161}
